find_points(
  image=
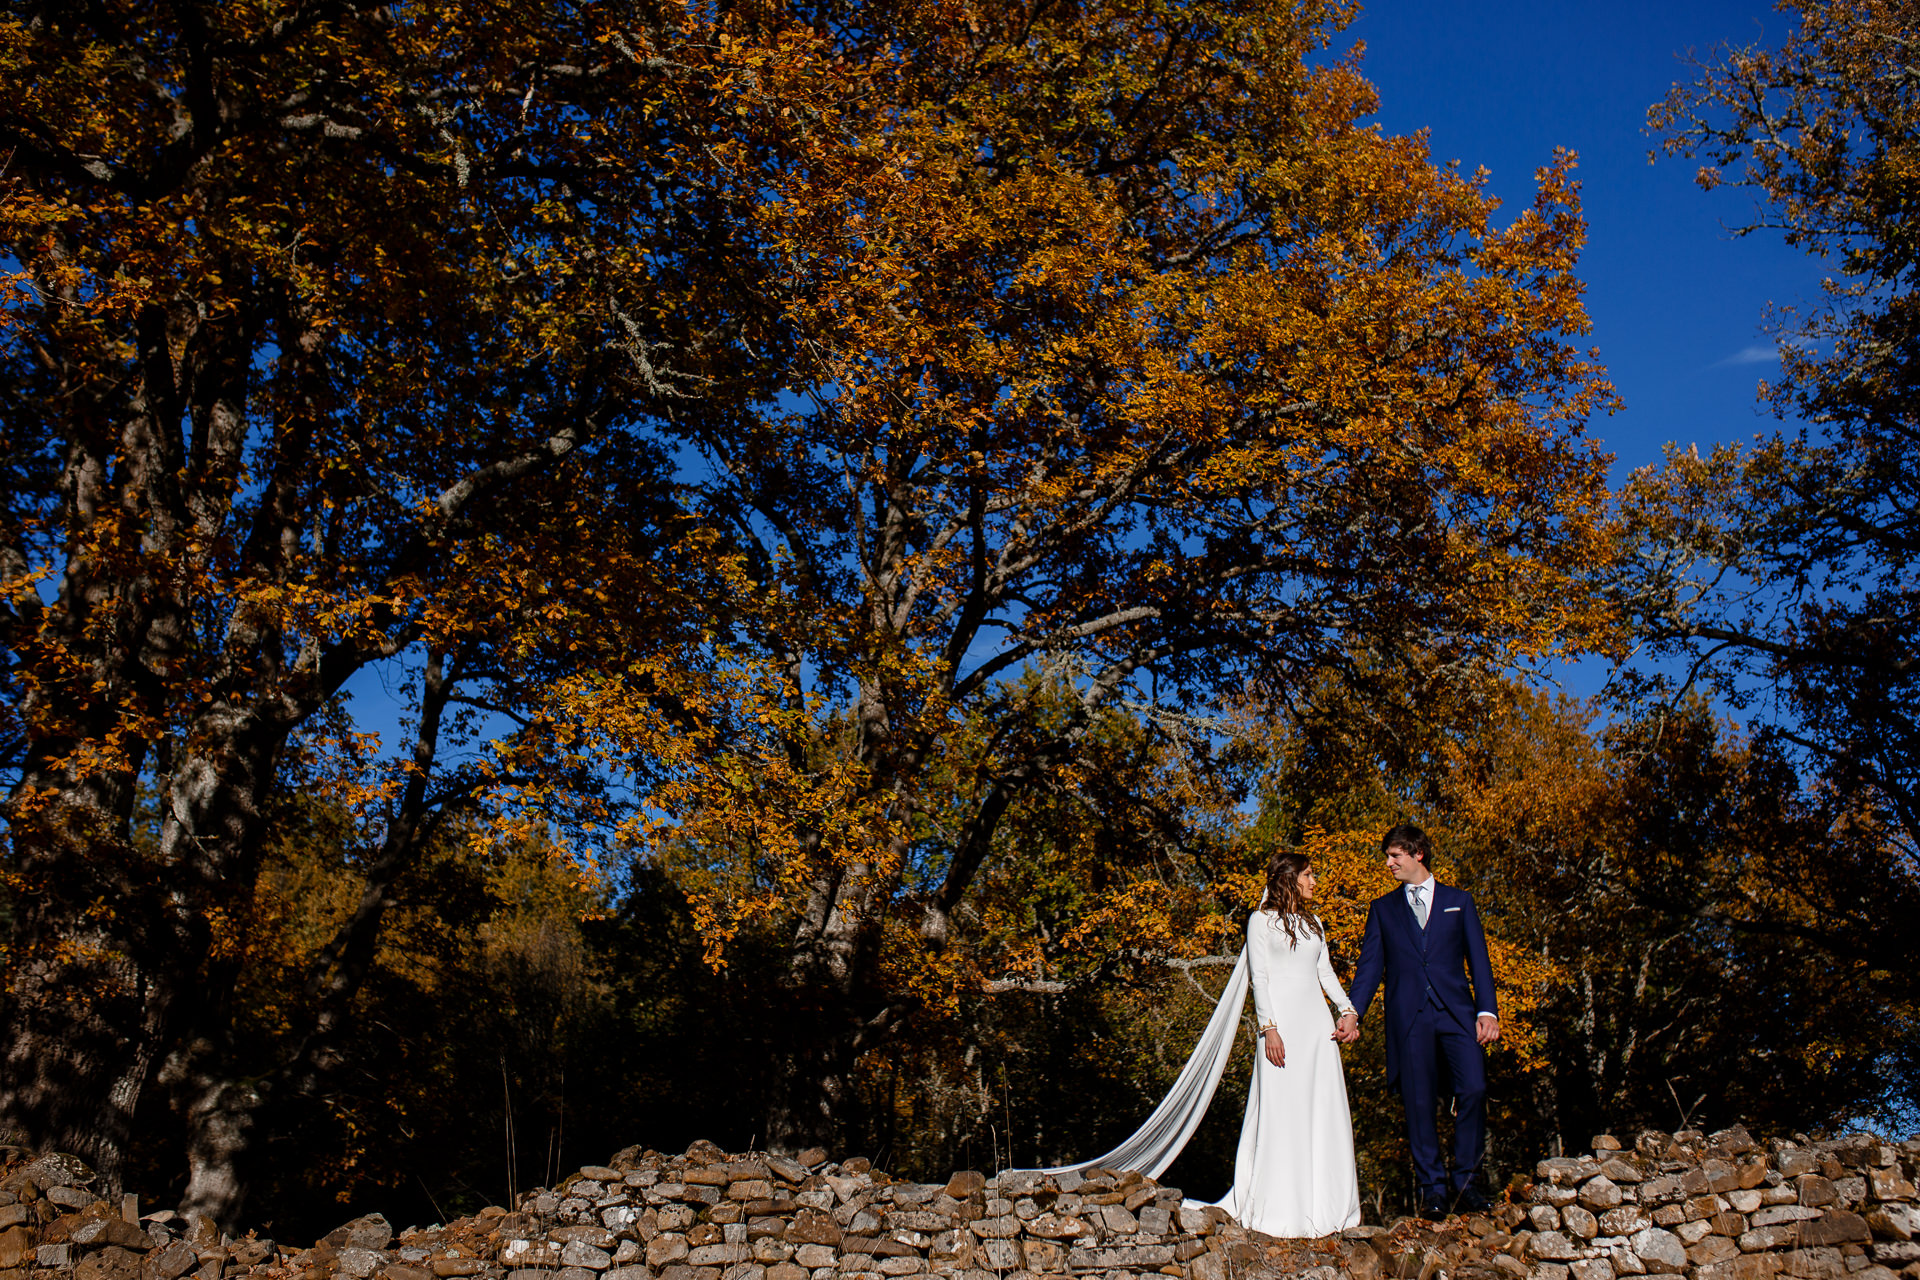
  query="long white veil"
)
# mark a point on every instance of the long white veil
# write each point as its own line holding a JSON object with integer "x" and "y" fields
{"x": 1165, "y": 1134}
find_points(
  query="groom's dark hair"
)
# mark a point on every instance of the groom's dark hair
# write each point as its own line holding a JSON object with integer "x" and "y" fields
{"x": 1412, "y": 839}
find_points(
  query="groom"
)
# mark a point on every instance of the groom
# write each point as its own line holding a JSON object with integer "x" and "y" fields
{"x": 1425, "y": 939}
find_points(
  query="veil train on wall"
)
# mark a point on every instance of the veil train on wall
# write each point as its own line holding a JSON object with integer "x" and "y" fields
{"x": 1155, "y": 1144}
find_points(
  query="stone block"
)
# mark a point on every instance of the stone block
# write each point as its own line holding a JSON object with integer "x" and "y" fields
{"x": 356, "y": 1263}
{"x": 101, "y": 1232}
{"x": 1784, "y": 1235}
{"x": 1133, "y": 1257}
{"x": 1600, "y": 1194}
{"x": 1700, "y": 1208}
{"x": 1579, "y": 1222}
{"x": 1751, "y": 1266}
{"x": 1548, "y": 1271}
{"x": 905, "y": 1265}
{"x": 1836, "y": 1226}
{"x": 109, "y": 1263}
{"x": 1001, "y": 1228}
{"x": 1795, "y": 1162}
{"x": 1054, "y": 1226}
{"x": 171, "y": 1262}
{"x": 1624, "y": 1221}
{"x": 1817, "y": 1191}
{"x": 1211, "y": 1266}
{"x": 1814, "y": 1264}
{"x": 1552, "y": 1246}
{"x": 999, "y": 1254}
{"x": 1660, "y": 1250}
{"x": 1621, "y": 1171}
{"x": 665, "y": 1249}
{"x": 578, "y": 1253}
{"x": 1544, "y": 1217}
{"x": 1728, "y": 1224}
{"x": 1661, "y": 1190}
{"x": 1887, "y": 1184}
{"x": 1592, "y": 1269}
{"x": 1895, "y": 1253}
{"x": 814, "y": 1256}
{"x": 1778, "y": 1213}
{"x": 1712, "y": 1249}
{"x": 584, "y": 1233}
{"x": 1894, "y": 1221}
{"x": 1692, "y": 1233}
{"x": 1045, "y": 1256}
{"x": 811, "y": 1226}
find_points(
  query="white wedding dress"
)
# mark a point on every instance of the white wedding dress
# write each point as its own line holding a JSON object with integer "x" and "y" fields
{"x": 1294, "y": 1174}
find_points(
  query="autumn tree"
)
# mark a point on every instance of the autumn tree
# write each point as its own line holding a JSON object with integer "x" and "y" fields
{"x": 1784, "y": 570}
{"x": 753, "y": 396}
{"x": 1713, "y": 946}
{"x": 1683, "y": 932}
{"x": 1128, "y": 353}
{"x": 326, "y": 320}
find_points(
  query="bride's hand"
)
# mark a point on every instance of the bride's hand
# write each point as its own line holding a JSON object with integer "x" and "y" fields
{"x": 1276, "y": 1051}
{"x": 1347, "y": 1030}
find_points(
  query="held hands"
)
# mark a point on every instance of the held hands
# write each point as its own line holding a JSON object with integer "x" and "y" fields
{"x": 1276, "y": 1051}
{"x": 1486, "y": 1029}
{"x": 1347, "y": 1030}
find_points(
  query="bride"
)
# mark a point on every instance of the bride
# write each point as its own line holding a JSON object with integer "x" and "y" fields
{"x": 1294, "y": 1174}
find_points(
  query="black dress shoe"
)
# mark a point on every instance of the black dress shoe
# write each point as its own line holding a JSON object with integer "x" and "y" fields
{"x": 1433, "y": 1210}
{"x": 1471, "y": 1201}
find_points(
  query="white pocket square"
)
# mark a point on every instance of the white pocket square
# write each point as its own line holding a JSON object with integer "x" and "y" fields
{"x": 1444, "y": 910}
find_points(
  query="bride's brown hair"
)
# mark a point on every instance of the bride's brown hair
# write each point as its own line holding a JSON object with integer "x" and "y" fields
{"x": 1283, "y": 894}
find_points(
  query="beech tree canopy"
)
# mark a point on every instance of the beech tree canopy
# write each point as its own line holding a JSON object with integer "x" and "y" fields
{"x": 803, "y": 419}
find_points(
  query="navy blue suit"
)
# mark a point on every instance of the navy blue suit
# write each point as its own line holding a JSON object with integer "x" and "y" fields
{"x": 1431, "y": 1009}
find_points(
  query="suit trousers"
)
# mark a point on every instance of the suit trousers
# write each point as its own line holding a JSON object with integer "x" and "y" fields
{"x": 1439, "y": 1050}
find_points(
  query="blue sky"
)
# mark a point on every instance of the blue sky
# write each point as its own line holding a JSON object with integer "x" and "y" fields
{"x": 1677, "y": 301}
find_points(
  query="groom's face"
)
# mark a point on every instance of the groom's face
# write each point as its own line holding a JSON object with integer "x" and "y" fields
{"x": 1406, "y": 865}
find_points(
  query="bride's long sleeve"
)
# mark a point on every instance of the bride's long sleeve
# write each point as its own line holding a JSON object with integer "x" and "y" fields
{"x": 1330, "y": 984}
{"x": 1258, "y": 967}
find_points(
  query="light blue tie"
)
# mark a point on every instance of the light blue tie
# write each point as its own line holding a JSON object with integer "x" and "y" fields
{"x": 1420, "y": 905}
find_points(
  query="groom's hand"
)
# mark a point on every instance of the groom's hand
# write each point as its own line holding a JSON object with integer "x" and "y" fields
{"x": 1347, "y": 1030}
{"x": 1276, "y": 1051}
{"x": 1487, "y": 1029}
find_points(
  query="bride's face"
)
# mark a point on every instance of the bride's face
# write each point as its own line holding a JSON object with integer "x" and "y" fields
{"x": 1305, "y": 883}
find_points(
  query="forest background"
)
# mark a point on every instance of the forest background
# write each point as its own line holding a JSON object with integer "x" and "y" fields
{"x": 879, "y": 520}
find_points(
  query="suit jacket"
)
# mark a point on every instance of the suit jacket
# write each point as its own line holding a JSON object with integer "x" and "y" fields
{"x": 1416, "y": 961}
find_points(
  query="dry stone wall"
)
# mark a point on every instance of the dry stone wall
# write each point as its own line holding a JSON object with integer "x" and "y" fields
{"x": 1689, "y": 1205}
